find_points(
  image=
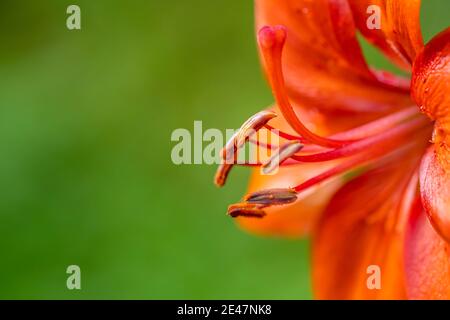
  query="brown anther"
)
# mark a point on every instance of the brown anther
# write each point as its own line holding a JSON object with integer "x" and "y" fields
{"x": 247, "y": 210}
{"x": 272, "y": 197}
{"x": 252, "y": 125}
{"x": 283, "y": 153}
{"x": 222, "y": 174}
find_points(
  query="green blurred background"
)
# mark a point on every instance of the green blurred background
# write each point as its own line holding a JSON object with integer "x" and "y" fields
{"x": 85, "y": 171}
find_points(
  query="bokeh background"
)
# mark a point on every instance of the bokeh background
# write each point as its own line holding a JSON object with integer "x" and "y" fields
{"x": 85, "y": 171}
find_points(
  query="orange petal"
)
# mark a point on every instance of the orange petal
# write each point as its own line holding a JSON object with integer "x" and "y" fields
{"x": 361, "y": 233}
{"x": 400, "y": 36}
{"x": 322, "y": 61}
{"x": 375, "y": 36}
{"x": 427, "y": 259}
{"x": 403, "y": 26}
{"x": 435, "y": 191}
{"x": 430, "y": 89}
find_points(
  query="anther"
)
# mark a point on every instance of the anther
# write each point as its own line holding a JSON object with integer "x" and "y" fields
{"x": 272, "y": 197}
{"x": 283, "y": 153}
{"x": 252, "y": 125}
{"x": 246, "y": 210}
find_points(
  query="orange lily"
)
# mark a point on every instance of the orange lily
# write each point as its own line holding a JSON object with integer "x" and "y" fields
{"x": 336, "y": 116}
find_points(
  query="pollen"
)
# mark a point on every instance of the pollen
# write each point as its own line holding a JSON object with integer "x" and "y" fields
{"x": 282, "y": 154}
{"x": 248, "y": 129}
{"x": 272, "y": 197}
{"x": 252, "y": 125}
{"x": 248, "y": 210}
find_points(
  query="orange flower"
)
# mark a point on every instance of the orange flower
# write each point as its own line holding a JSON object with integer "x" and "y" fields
{"x": 336, "y": 116}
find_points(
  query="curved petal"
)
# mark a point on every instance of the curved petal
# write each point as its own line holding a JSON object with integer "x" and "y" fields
{"x": 403, "y": 27}
{"x": 361, "y": 233}
{"x": 322, "y": 61}
{"x": 399, "y": 35}
{"x": 322, "y": 25}
{"x": 427, "y": 259}
{"x": 435, "y": 192}
{"x": 430, "y": 89}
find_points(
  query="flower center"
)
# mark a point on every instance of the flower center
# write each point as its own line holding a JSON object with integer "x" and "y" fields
{"x": 404, "y": 132}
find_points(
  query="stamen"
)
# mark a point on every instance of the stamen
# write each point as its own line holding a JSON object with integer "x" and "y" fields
{"x": 283, "y": 134}
{"x": 271, "y": 40}
{"x": 222, "y": 174}
{"x": 251, "y": 126}
{"x": 378, "y": 125}
{"x": 264, "y": 145}
{"x": 364, "y": 131}
{"x": 272, "y": 197}
{"x": 248, "y": 210}
{"x": 228, "y": 152}
{"x": 392, "y": 80}
{"x": 388, "y": 140}
{"x": 351, "y": 163}
{"x": 282, "y": 154}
